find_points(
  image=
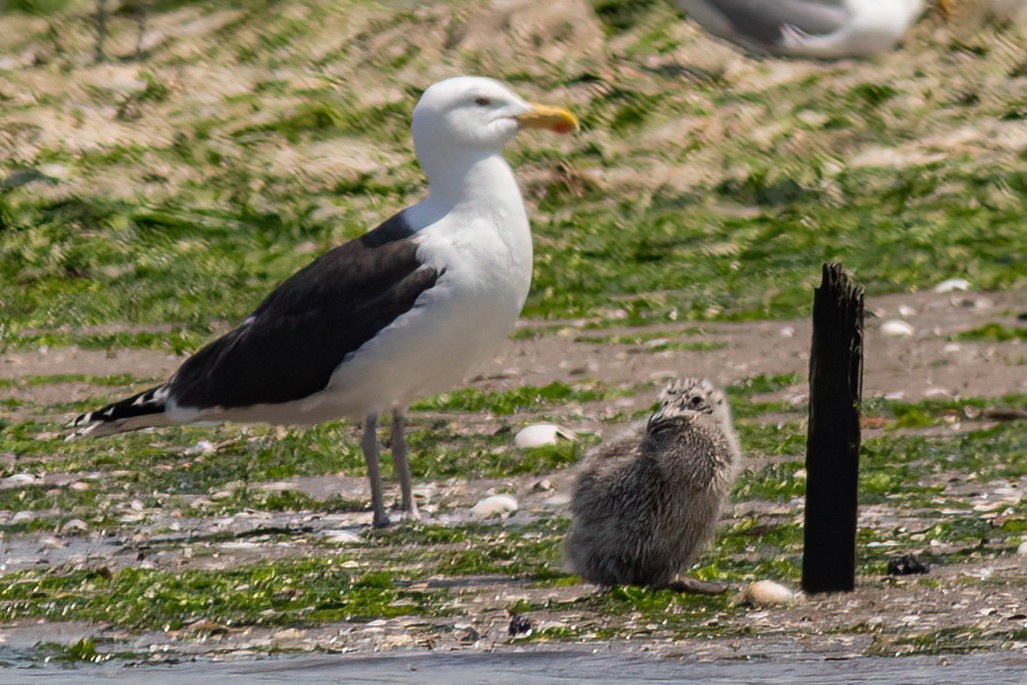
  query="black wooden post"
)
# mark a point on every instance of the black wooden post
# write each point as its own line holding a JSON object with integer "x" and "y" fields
{"x": 832, "y": 447}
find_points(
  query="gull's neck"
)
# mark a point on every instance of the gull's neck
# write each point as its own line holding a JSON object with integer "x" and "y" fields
{"x": 478, "y": 181}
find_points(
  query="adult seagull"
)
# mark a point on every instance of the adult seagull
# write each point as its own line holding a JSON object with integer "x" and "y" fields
{"x": 827, "y": 29}
{"x": 406, "y": 310}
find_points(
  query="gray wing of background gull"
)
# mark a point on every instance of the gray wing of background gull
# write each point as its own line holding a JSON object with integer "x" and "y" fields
{"x": 759, "y": 22}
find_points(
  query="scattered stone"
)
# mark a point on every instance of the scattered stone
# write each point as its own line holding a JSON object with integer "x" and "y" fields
{"x": 906, "y": 310}
{"x": 952, "y": 284}
{"x": 23, "y": 517}
{"x": 544, "y": 485}
{"x": 972, "y": 302}
{"x": 896, "y": 328}
{"x": 540, "y": 434}
{"x": 519, "y": 625}
{"x": 288, "y": 634}
{"x": 764, "y": 592}
{"x": 18, "y": 480}
{"x": 343, "y": 537}
{"x": 74, "y": 526}
{"x": 79, "y": 486}
{"x": 202, "y": 447}
{"x": 787, "y": 332}
{"x": 495, "y": 505}
{"x": 206, "y": 626}
{"x": 907, "y": 565}
{"x": 560, "y": 499}
{"x": 49, "y": 542}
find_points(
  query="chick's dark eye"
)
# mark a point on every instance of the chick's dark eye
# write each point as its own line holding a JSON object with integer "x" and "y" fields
{"x": 482, "y": 102}
{"x": 695, "y": 401}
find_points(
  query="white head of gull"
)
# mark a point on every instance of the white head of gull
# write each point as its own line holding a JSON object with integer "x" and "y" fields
{"x": 825, "y": 29}
{"x": 406, "y": 310}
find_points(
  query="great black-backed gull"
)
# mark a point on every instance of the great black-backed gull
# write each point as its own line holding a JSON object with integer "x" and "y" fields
{"x": 404, "y": 311}
{"x": 826, "y": 29}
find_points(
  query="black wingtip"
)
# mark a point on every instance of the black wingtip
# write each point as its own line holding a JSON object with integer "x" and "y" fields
{"x": 152, "y": 401}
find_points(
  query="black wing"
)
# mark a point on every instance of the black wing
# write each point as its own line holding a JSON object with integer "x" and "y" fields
{"x": 289, "y": 347}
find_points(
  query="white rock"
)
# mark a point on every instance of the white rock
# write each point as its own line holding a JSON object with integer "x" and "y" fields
{"x": 202, "y": 447}
{"x": 952, "y": 348}
{"x": 656, "y": 342}
{"x": 54, "y": 170}
{"x": 952, "y": 284}
{"x": 492, "y": 506}
{"x": 75, "y": 526}
{"x": 539, "y": 434}
{"x": 906, "y": 310}
{"x": 342, "y": 537}
{"x": 764, "y": 592}
{"x": 897, "y": 328}
{"x": 23, "y": 516}
{"x": 787, "y": 332}
{"x": 1022, "y": 549}
{"x": 18, "y": 480}
{"x": 558, "y": 500}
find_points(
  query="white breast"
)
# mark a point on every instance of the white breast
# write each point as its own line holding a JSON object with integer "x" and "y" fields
{"x": 454, "y": 327}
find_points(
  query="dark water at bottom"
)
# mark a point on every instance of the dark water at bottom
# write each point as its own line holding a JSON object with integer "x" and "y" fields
{"x": 541, "y": 667}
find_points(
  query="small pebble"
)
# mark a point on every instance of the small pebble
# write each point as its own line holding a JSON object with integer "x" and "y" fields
{"x": 75, "y": 526}
{"x": 764, "y": 592}
{"x": 1022, "y": 549}
{"x": 492, "y": 506}
{"x": 540, "y": 434}
{"x": 202, "y": 447}
{"x": 952, "y": 284}
{"x": 341, "y": 536}
{"x": 896, "y": 328}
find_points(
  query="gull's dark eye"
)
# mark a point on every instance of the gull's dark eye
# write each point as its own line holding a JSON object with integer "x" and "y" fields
{"x": 482, "y": 102}
{"x": 695, "y": 401}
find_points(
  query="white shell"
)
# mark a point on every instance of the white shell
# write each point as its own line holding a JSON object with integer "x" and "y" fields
{"x": 947, "y": 286}
{"x": 897, "y": 328}
{"x": 764, "y": 592}
{"x": 492, "y": 506}
{"x": 539, "y": 434}
{"x": 75, "y": 526}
